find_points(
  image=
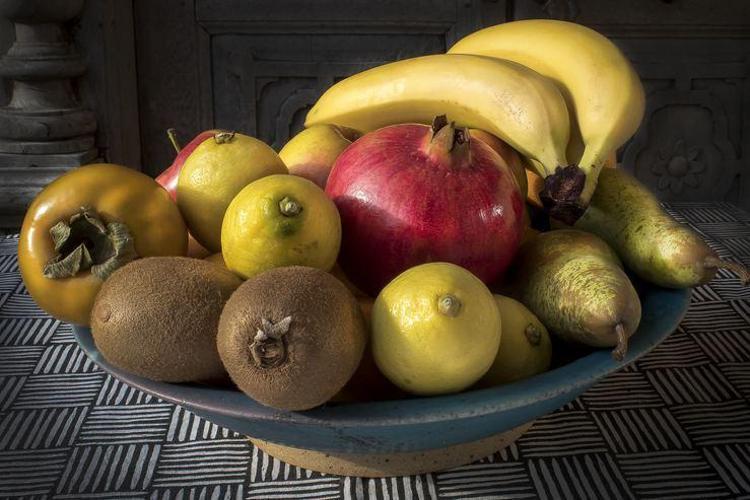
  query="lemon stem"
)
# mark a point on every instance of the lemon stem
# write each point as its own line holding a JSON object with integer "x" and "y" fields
{"x": 449, "y": 305}
{"x": 290, "y": 207}
{"x": 224, "y": 137}
{"x": 533, "y": 335}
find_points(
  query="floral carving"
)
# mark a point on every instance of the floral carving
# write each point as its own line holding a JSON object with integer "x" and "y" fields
{"x": 678, "y": 166}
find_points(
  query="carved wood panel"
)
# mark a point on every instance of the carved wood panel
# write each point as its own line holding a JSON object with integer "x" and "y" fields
{"x": 693, "y": 144}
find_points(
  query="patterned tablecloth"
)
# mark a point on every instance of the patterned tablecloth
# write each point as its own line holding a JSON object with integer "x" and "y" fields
{"x": 674, "y": 425}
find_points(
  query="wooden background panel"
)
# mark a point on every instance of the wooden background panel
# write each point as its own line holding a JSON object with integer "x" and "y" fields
{"x": 257, "y": 66}
{"x": 167, "y": 38}
{"x": 327, "y": 12}
{"x": 687, "y": 16}
{"x": 265, "y": 88}
{"x": 695, "y": 139}
{"x": 6, "y": 40}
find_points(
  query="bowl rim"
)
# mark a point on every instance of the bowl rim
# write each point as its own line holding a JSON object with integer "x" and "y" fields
{"x": 577, "y": 376}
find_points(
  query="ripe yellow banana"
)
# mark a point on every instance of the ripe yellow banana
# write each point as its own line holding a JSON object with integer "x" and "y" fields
{"x": 504, "y": 98}
{"x": 603, "y": 92}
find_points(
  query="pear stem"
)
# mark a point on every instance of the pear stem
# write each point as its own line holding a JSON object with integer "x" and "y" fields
{"x": 622, "y": 343}
{"x": 738, "y": 269}
{"x": 172, "y": 134}
{"x": 449, "y": 305}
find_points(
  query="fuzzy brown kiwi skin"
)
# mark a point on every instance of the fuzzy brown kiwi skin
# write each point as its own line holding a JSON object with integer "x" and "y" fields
{"x": 158, "y": 317}
{"x": 651, "y": 243}
{"x": 574, "y": 283}
{"x": 322, "y": 346}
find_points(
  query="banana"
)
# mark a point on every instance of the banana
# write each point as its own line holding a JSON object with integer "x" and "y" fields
{"x": 603, "y": 91}
{"x": 504, "y": 98}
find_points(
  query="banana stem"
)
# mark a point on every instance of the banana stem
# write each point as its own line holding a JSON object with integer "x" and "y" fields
{"x": 561, "y": 195}
{"x": 741, "y": 271}
{"x": 622, "y": 343}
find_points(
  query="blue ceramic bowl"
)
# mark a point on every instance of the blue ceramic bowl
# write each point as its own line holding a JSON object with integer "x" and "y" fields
{"x": 419, "y": 423}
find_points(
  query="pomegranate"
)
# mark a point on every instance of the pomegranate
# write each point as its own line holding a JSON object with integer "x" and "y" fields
{"x": 410, "y": 194}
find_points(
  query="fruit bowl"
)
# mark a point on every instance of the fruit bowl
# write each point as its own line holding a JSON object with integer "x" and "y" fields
{"x": 418, "y": 424}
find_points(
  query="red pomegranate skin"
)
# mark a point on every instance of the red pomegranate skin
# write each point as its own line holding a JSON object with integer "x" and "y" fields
{"x": 401, "y": 207}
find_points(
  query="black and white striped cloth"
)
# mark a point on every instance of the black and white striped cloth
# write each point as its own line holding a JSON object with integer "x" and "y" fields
{"x": 674, "y": 425}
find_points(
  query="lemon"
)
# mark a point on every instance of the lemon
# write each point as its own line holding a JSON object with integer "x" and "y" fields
{"x": 213, "y": 174}
{"x": 435, "y": 329}
{"x": 277, "y": 221}
{"x": 526, "y": 349}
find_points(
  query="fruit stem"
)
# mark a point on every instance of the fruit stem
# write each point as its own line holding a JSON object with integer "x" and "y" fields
{"x": 348, "y": 134}
{"x": 289, "y": 207}
{"x": 172, "y": 134}
{"x": 562, "y": 192}
{"x": 533, "y": 335}
{"x": 84, "y": 242}
{"x": 224, "y": 137}
{"x": 448, "y": 144}
{"x": 741, "y": 271}
{"x": 449, "y": 305}
{"x": 268, "y": 347}
{"x": 622, "y": 343}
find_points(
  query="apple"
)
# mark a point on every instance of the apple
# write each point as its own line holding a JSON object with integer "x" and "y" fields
{"x": 312, "y": 152}
{"x": 410, "y": 194}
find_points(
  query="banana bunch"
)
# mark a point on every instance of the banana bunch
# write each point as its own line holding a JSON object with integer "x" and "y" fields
{"x": 603, "y": 92}
{"x": 561, "y": 94}
{"x": 504, "y": 98}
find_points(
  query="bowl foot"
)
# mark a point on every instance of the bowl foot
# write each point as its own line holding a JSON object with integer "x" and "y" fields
{"x": 392, "y": 464}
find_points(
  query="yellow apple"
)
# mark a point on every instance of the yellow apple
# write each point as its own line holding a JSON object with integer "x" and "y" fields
{"x": 312, "y": 152}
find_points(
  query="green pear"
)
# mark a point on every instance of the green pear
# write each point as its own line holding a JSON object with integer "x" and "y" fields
{"x": 312, "y": 153}
{"x": 574, "y": 283}
{"x": 649, "y": 241}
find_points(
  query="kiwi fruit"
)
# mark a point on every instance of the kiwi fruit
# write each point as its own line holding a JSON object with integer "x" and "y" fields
{"x": 291, "y": 337}
{"x": 158, "y": 317}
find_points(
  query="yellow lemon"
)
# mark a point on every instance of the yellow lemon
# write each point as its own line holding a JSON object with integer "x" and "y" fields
{"x": 435, "y": 329}
{"x": 277, "y": 221}
{"x": 526, "y": 349}
{"x": 213, "y": 174}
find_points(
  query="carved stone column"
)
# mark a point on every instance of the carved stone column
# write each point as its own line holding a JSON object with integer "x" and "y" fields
{"x": 44, "y": 131}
